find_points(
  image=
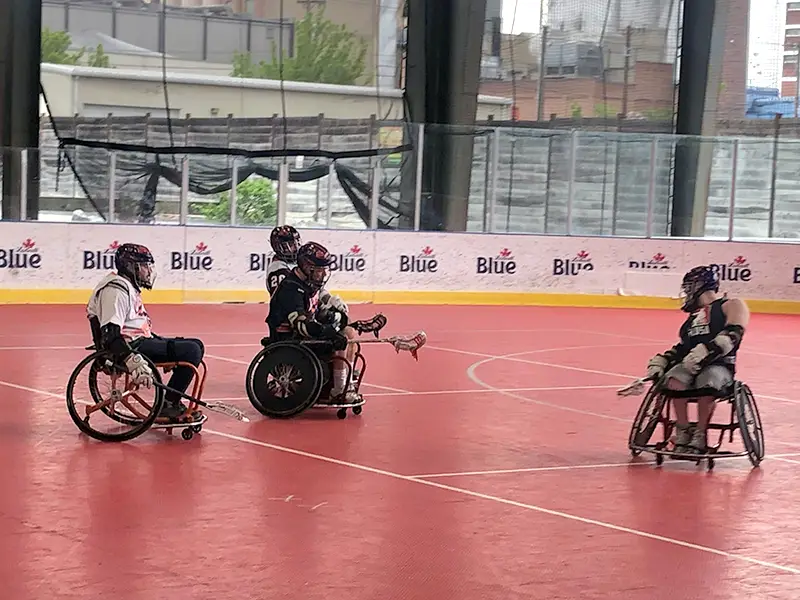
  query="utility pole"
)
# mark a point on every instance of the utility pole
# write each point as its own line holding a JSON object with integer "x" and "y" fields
{"x": 540, "y": 86}
{"x": 626, "y": 71}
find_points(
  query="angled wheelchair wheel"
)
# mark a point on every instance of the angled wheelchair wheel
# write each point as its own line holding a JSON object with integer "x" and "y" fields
{"x": 647, "y": 419}
{"x": 283, "y": 380}
{"x": 105, "y": 406}
{"x": 749, "y": 423}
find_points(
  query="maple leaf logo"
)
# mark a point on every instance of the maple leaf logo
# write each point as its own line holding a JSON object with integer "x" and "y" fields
{"x": 659, "y": 257}
{"x": 28, "y": 244}
{"x": 583, "y": 255}
{"x": 739, "y": 261}
{"x": 505, "y": 253}
{"x": 427, "y": 251}
{"x": 112, "y": 247}
{"x": 356, "y": 249}
{"x": 201, "y": 247}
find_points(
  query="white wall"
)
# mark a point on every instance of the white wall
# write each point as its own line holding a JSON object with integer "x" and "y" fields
{"x": 70, "y": 89}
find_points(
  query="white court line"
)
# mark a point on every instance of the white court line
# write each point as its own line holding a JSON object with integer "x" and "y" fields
{"x": 243, "y": 362}
{"x": 491, "y": 498}
{"x": 507, "y": 502}
{"x": 576, "y": 467}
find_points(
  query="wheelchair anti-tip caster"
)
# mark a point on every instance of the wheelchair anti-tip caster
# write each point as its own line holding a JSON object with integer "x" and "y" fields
{"x": 357, "y": 410}
{"x": 710, "y": 464}
{"x": 197, "y": 428}
{"x": 342, "y": 413}
{"x": 187, "y": 433}
{"x": 659, "y": 459}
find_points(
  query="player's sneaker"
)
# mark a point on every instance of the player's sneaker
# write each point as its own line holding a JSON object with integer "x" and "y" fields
{"x": 683, "y": 436}
{"x": 176, "y": 412}
{"x": 698, "y": 444}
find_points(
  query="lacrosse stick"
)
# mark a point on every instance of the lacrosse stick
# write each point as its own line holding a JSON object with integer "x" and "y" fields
{"x": 409, "y": 343}
{"x": 220, "y": 407}
{"x": 373, "y": 325}
{"x": 635, "y": 387}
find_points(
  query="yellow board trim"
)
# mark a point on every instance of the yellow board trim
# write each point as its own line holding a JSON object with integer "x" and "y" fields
{"x": 59, "y": 296}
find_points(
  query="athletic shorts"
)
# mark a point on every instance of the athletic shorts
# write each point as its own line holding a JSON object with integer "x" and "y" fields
{"x": 716, "y": 377}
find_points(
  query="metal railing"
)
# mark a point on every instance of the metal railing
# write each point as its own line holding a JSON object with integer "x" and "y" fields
{"x": 523, "y": 180}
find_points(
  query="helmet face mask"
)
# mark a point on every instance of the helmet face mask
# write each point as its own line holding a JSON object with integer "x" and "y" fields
{"x": 314, "y": 263}
{"x": 695, "y": 283}
{"x": 285, "y": 242}
{"x": 136, "y": 263}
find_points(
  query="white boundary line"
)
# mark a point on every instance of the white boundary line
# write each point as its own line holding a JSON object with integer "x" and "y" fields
{"x": 491, "y": 498}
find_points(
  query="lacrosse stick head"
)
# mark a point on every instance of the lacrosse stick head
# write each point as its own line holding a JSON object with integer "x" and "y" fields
{"x": 410, "y": 343}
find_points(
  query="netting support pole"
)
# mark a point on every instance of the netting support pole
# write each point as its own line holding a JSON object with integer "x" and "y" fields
{"x": 418, "y": 178}
{"x": 184, "y": 211}
{"x": 573, "y": 158}
{"x": 651, "y": 188}
{"x": 376, "y": 195}
{"x": 697, "y": 96}
{"x": 20, "y": 55}
{"x": 491, "y": 201}
{"x": 23, "y": 185}
{"x": 112, "y": 186}
{"x": 329, "y": 205}
{"x": 283, "y": 191}
{"x": 234, "y": 180}
{"x": 734, "y": 177}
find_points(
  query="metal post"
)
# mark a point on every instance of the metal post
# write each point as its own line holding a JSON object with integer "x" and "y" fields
{"x": 418, "y": 182}
{"x": 234, "y": 185}
{"x": 797, "y": 81}
{"x": 184, "y": 213}
{"x": 329, "y": 205}
{"x": 283, "y": 191}
{"x": 488, "y": 215}
{"x": 376, "y": 194}
{"x": 651, "y": 189}
{"x": 732, "y": 206}
{"x": 23, "y": 185}
{"x": 573, "y": 153}
{"x": 112, "y": 187}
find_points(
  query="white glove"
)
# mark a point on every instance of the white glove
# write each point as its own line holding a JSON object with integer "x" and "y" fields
{"x": 335, "y": 302}
{"x": 657, "y": 366}
{"x": 696, "y": 356}
{"x": 139, "y": 370}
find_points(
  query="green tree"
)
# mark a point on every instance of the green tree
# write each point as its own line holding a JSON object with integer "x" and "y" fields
{"x": 324, "y": 53}
{"x": 55, "y": 48}
{"x": 255, "y": 204}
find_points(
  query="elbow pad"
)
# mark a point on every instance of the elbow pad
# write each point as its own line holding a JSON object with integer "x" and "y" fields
{"x": 111, "y": 339}
{"x": 726, "y": 341}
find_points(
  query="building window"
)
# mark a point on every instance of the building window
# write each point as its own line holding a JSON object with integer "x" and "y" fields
{"x": 793, "y": 33}
{"x": 793, "y": 6}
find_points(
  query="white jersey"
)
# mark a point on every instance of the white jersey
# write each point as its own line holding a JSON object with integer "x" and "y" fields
{"x": 116, "y": 301}
{"x": 276, "y": 271}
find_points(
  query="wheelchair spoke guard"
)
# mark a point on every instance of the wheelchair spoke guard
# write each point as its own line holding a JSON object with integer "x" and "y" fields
{"x": 284, "y": 380}
{"x": 647, "y": 419}
{"x": 749, "y": 423}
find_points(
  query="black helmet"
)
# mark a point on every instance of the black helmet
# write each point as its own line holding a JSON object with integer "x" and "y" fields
{"x": 695, "y": 283}
{"x": 284, "y": 241}
{"x": 135, "y": 263}
{"x": 314, "y": 262}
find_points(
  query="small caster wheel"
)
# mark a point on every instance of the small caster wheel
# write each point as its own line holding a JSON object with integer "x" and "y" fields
{"x": 187, "y": 434}
{"x": 659, "y": 459}
{"x": 635, "y": 453}
{"x": 710, "y": 464}
{"x": 357, "y": 410}
{"x": 197, "y": 428}
{"x": 341, "y": 413}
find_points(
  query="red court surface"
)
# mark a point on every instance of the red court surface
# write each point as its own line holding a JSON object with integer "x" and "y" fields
{"x": 494, "y": 468}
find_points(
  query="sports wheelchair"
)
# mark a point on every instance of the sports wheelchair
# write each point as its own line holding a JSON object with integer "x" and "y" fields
{"x": 133, "y": 409}
{"x": 656, "y": 409}
{"x": 288, "y": 377}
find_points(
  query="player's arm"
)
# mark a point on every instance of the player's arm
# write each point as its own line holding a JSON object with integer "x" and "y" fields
{"x": 662, "y": 361}
{"x": 113, "y": 306}
{"x": 737, "y": 316}
{"x": 302, "y": 323}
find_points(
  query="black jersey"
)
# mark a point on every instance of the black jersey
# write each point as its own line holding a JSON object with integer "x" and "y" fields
{"x": 704, "y": 325}
{"x": 291, "y": 296}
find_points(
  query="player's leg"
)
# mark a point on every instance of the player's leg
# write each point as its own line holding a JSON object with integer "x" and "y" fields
{"x": 341, "y": 385}
{"x": 164, "y": 350}
{"x": 717, "y": 378}
{"x": 679, "y": 379}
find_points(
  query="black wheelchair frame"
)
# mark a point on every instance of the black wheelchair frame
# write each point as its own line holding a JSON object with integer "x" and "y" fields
{"x": 656, "y": 408}
{"x": 101, "y": 361}
{"x": 288, "y": 377}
